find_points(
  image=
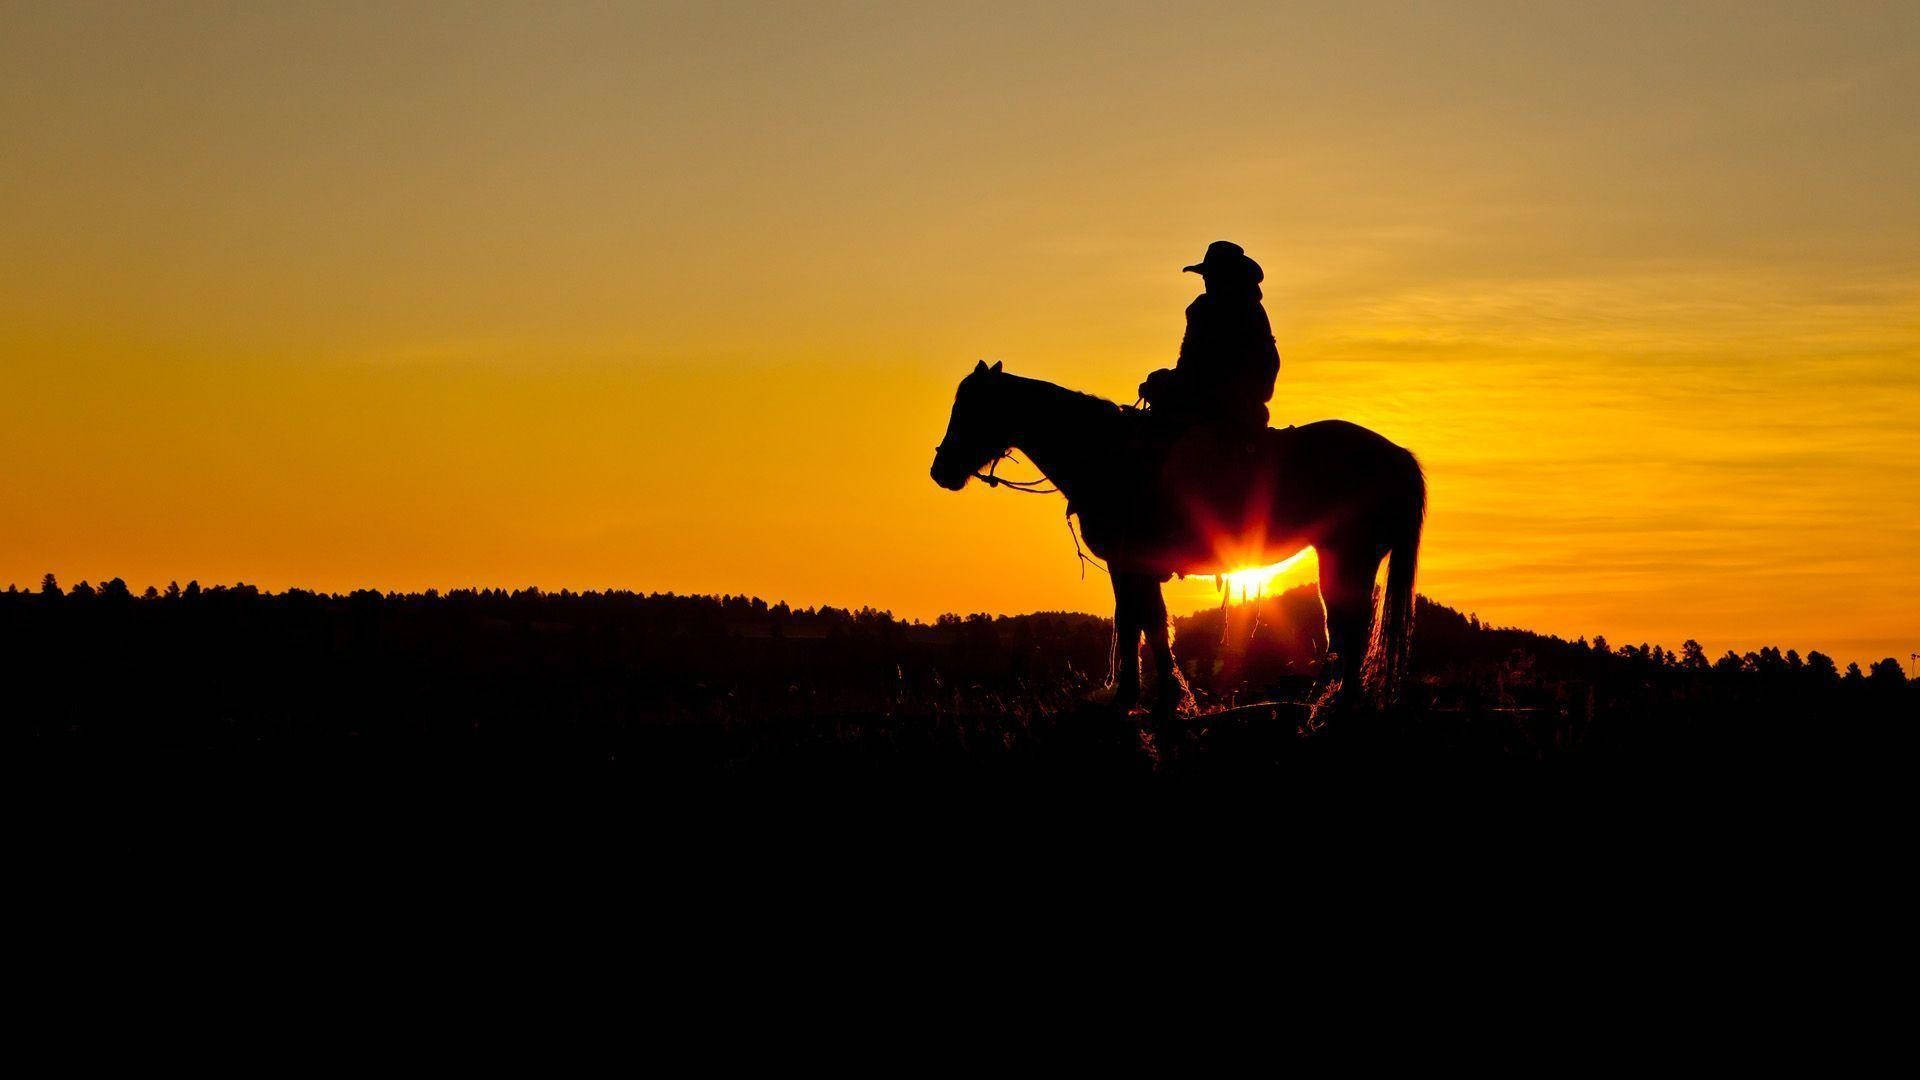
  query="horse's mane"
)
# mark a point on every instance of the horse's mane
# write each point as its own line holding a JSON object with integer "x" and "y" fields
{"x": 1069, "y": 399}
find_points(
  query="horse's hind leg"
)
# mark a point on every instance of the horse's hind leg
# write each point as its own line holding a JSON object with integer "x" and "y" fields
{"x": 1346, "y": 592}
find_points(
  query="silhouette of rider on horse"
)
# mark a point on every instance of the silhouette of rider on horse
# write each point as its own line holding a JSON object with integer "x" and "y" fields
{"x": 1224, "y": 376}
{"x": 1197, "y": 484}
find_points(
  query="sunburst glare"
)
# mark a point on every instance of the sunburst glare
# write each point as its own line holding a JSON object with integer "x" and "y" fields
{"x": 1256, "y": 581}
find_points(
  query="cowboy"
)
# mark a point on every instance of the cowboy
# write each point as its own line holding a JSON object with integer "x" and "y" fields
{"x": 1228, "y": 362}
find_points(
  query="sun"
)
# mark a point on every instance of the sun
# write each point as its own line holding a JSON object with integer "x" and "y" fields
{"x": 1255, "y": 581}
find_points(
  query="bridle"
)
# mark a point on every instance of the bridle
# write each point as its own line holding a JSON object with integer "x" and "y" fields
{"x": 1029, "y": 487}
{"x": 1033, "y": 487}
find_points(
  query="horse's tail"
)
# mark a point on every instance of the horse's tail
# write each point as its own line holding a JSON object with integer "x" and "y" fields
{"x": 1388, "y": 652}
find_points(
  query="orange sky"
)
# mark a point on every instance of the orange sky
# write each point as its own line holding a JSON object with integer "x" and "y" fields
{"x": 676, "y": 297}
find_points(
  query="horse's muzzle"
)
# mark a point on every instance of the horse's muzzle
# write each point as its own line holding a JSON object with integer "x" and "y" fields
{"x": 945, "y": 473}
{"x": 949, "y": 478}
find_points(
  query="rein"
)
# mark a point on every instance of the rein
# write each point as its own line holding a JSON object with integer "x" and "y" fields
{"x": 1033, "y": 487}
{"x": 1029, "y": 487}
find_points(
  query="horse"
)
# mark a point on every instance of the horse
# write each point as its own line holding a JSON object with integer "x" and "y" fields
{"x": 1154, "y": 504}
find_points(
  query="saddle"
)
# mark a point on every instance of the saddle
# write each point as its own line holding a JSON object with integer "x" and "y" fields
{"x": 1189, "y": 483}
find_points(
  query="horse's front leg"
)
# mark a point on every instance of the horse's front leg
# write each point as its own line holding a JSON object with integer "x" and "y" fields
{"x": 1126, "y": 640}
{"x": 1170, "y": 688}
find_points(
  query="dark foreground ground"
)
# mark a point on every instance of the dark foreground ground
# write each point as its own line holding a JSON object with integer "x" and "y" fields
{"x": 689, "y": 793}
{"x": 681, "y": 691}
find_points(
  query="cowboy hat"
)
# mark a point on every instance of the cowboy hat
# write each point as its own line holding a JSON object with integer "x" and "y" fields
{"x": 1226, "y": 257}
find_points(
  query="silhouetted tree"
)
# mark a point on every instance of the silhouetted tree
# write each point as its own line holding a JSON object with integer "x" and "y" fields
{"x": 1693, "y": 656}
{"x": 1730, "y": 662}
{"x": 1600, "y": 644}
{"x": 1853, "y": 674}
{"x": 1887, "y": 674}
{"x": 1820, "y": 666}
{"x": 50, "y": 586}
{"x": 82, "y": 591}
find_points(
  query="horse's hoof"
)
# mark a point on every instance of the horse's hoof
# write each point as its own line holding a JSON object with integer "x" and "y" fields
{"x": 1174, "y": 697}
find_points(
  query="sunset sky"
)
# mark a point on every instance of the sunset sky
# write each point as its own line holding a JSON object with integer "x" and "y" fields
{"x": 675, "y": 296}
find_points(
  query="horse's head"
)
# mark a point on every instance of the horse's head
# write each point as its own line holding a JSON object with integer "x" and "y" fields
{"x": 976, "y": 432}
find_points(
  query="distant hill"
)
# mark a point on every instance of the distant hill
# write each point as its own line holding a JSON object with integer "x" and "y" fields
{"x": 706, "y": 685}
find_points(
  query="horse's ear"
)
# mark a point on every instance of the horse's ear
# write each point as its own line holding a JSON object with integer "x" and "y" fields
{"x": 995, "y": 368}
{"x": 980, "y": 367}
